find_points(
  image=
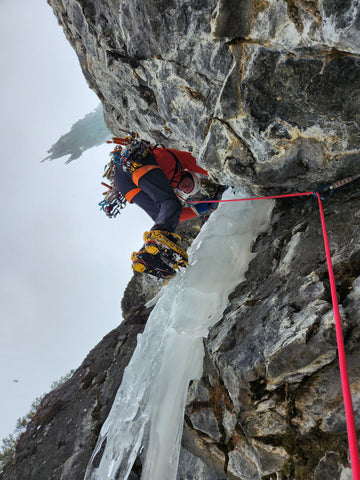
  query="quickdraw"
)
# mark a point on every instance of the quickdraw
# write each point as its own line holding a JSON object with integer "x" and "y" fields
{"x": 114, "y": 201}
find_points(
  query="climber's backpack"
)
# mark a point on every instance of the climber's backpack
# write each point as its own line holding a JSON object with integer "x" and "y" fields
{"x": 130, "y": 153}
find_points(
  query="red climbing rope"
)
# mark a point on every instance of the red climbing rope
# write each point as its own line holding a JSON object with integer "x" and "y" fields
{"x": 349, "y": 413}
{"x": 253, "y": 198}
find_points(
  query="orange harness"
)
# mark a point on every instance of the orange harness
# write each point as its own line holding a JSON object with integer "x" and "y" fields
{"x": 136, "y": 176}
{"x": 140, "y": 172}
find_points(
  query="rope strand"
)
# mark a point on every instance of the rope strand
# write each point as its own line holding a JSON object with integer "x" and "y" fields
{"x": 286, "y": 195}
{"x": 349, "y": 413}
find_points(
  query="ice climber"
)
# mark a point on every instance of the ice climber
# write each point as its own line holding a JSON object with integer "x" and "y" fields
{"x": 154, "y": 178}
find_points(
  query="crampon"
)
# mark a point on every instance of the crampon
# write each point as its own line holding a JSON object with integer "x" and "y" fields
{"x": 144, "y": 262}
{"x": 164, "y": 243}
{"x": 160, "y": 256}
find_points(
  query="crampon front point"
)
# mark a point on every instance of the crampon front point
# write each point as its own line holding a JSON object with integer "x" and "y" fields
{"x": 145, "y": 262}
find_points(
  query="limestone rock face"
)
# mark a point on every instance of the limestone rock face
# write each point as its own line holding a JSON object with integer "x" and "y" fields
{"x": 271, "y": 377}
{"x": 266, "y": 94}
{"x": 155, "y": 65}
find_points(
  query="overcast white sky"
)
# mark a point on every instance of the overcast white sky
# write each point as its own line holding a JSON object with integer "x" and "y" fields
{"x": 64, "y": 264}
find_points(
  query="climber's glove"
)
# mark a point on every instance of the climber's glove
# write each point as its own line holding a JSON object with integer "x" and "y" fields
{"x": 205, "y": 207}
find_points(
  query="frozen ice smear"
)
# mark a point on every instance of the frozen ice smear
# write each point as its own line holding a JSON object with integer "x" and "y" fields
{"x": 146, "y": 419}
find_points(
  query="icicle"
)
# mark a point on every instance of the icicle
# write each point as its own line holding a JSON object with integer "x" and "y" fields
{"x": 146, "y": 419}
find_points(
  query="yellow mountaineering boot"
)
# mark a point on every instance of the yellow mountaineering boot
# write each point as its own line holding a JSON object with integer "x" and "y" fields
{"x": 163, "y": 242}
{"x": 144, "y": 262}
{"x": 137, "y": 264}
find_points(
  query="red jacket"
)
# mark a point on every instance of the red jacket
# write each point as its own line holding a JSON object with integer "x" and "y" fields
{"x": 170, "y": 167}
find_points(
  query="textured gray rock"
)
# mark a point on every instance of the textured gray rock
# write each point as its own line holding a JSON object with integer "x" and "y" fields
{"x": 271, "y": 364}
{"x": 155, "y": 65}
{"x": 293, "y": 123}
{"x": 192, "y": 468}
{"x": 266, "y": 93}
